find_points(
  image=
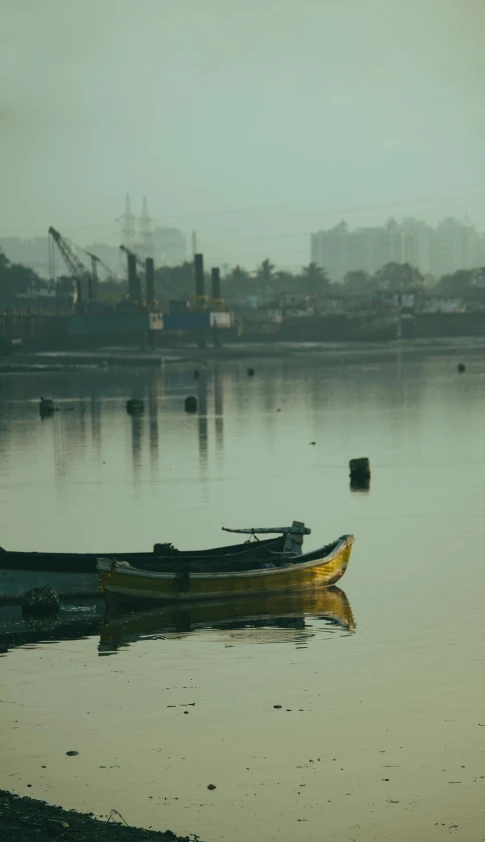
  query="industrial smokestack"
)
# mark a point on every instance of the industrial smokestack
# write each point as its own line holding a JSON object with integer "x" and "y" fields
{"x": 132, "y": 277}
{"x": 216, "y": 283}
{"x": 150, "y": 276}
{"x": 199, "y": 275}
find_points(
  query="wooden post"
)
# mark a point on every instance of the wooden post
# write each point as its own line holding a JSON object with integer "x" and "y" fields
{"x": 359, "y": 474}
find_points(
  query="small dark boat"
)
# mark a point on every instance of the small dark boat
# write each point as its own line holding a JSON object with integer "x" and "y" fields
{"x": 75, "y": 574}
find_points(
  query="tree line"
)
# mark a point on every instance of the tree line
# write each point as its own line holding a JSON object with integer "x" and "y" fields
{"x": 269, "y": 282}
{"x": 16, "y": 279}
{"x": 266, "y": 282}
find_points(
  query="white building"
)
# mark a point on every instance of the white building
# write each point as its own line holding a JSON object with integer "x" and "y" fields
{"x": 450, "y": 246}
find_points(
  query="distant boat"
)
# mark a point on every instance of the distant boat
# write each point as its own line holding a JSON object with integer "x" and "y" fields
{"x": 208, "y": 579}
{"x": 74, "y": 574}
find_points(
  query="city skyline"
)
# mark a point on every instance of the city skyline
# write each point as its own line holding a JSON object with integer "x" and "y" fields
{"x": 288, "y": 248}
{"x": 435, "y": 250}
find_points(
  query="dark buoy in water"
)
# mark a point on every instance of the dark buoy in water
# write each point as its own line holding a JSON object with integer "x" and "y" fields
{"x": 461, "y": 367}
{"x": 41, "y": 601}
{"x": 46, "y": 407}
{"x": 359, "y": 474}
{"x": 251, "y": 372}
{"x": 196, "y": 372}
{"x": 134, "y": 406}
{"x": 190, "y": 404}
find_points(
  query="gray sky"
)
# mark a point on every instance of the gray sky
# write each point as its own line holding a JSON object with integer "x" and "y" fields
{"x": 252, "y": 122}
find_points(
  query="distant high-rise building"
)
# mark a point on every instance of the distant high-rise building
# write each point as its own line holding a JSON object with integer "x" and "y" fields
{"x": 340, "y": 250}
{"x": 450, "y": 246}
{"x": 170, "y": 247}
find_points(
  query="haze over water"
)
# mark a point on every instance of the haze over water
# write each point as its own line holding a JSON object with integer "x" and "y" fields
{"x": 252, "y": 125}
{"x": 381, "y": 731}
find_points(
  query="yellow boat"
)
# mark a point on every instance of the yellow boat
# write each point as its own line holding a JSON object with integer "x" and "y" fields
{"x": 206, "y": 579}
{"x": 246, "y": 619}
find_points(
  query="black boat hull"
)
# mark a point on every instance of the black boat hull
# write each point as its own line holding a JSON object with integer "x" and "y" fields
{"x": 75, "y": 575}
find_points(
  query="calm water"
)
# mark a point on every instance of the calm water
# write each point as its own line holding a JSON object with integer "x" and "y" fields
{"x": 381, "y": 733}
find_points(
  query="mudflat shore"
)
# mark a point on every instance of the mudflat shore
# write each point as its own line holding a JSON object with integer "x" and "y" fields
{"x": 26, "y": 820}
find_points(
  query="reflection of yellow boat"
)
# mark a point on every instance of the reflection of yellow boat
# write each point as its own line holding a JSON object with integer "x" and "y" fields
{"x": 280, "y": 611}
{"x": 208, "y": 581}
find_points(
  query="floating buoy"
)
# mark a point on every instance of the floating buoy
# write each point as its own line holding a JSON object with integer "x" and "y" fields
{"x": 190, "y": 404}
{"x": 359, "y": 474}
{"x": 461, "y": 367}
{"x": 134, "y": 406}
{"x": 251, "y": 372}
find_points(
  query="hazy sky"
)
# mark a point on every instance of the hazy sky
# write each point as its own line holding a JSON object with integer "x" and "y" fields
{"x": 254, "y": 122}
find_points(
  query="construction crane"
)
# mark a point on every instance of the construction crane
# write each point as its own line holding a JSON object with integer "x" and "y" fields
{"x": 94, "y": 266}
{"x": 132, "y": 254}
{"x": 76, "y": 268}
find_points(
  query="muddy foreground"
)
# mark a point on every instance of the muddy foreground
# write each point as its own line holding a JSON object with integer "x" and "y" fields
{"x": 26, "y": 820}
